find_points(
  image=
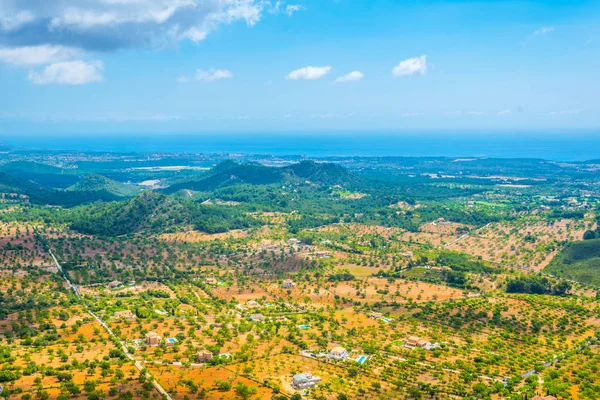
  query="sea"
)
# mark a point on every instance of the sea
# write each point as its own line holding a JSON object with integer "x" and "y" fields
{"x": 550, "y": 145}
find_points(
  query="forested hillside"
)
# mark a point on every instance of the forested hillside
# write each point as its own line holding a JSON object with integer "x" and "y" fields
{"x": 580, "y": 261}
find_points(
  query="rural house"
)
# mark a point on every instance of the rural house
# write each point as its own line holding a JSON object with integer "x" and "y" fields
{"x": 257, "y": 317}
{"x": 127, "y": 314}
{"x": 375, "y": 315}
{"x": 338, "y": 353}
{"x": 152, "y": 339}
{"x": 288, "y": 284}
{"x": 305, "y": 381}
{"x": 252, "y": 304}
{"x": 114, "y": 284}
{"x": 203, "y": 356}
{"x": 415, "y": 341}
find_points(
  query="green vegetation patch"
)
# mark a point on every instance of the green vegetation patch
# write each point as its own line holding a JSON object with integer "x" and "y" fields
{"x": 580, "y": 261}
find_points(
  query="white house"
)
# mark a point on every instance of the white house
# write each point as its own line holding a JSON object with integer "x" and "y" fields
{"x": 305, "y": 381}
{"x": 252, "y": 304}
{"x": 257, "y": 317}
{"x": 338, "y": 353}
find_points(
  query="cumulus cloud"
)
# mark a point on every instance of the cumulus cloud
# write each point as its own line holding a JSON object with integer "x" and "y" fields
{"x": 11, "y": 22}
{"x": 207, "y": 75}
{"x": 411, "y": 66}
{"x": 309, "y": 73}
{"x": 350, "y": 77}
{"x": 290, "y": 9}
{"x": 35, "y": 55}
{"x": 544, "y": 30}
{"x": 504, "y": 112}
{"x": 113, "y": 24}
{"x": 69, "y": 73}
{"x": 280, "y": 6}
{"x": 38, "y": 32}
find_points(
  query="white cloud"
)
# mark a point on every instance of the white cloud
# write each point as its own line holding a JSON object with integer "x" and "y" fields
{"x": 69, "y": 73}
{"x": 411, "y": 66}
{"x": 206, "y": 75}
{"x": 566, "y": 112}
{"x": 194, "y": 34}
{"x": 247, "y": 10}
{"x": 350, "y": 77}
{"x": 544, "y": 30}
{"x": 212, "y": 75}
{"x": 35, "y": 55}
{"x": 290, "y": 9}
{"x": 113, "y": 24}
{"x": 504, "y": 112}
{"x": 15, "y": 21}
{"x": 38, "y": 32}
{"x": 308, "y": 73}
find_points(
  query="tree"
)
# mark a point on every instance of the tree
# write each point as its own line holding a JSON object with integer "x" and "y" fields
{"x": 89, "y": 386}
{"x": 562, "y": 288}
{"x": 589, "y": 234}
{"x": 414, "y": 393}
{"x": 223, "y": 385}
{"x": 245, "y": 392}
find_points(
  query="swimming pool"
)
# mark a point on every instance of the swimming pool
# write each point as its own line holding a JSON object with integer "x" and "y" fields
{"x": 304, "y": 326}
{"x": 386, "y": 320}
{"x": 361, "y": 359}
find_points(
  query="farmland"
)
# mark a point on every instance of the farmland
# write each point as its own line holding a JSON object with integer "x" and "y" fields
{"x": 434, "y": 290}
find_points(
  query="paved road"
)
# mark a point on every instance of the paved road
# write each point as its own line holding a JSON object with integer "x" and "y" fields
{"x": 138, "y": 364}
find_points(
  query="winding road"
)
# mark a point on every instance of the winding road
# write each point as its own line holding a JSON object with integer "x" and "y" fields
{"x": 138, "y": 364}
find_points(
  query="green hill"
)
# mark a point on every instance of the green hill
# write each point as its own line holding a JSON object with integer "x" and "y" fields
{"x": 152, "y": 211}
{"x": 580, "y": 261}
{"x": 11, "y": 184}
{"x": 230, "y": 173}
{"x": 99, "y": 183}
{"x": 46, "y": 175}
{"x": 143, "y": 212}
{"x": 39, "y": 194}
{"x": 323, "y": 173}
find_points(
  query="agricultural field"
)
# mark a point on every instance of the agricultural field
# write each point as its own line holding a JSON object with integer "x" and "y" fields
{"x": 449, "y": 289}
{"x": 527, "y": 242}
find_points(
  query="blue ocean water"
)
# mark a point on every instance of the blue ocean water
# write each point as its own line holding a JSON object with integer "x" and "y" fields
{"x": 580, "y": 145}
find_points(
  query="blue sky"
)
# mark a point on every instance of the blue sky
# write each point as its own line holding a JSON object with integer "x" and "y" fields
{"x": 252, "y": 65}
